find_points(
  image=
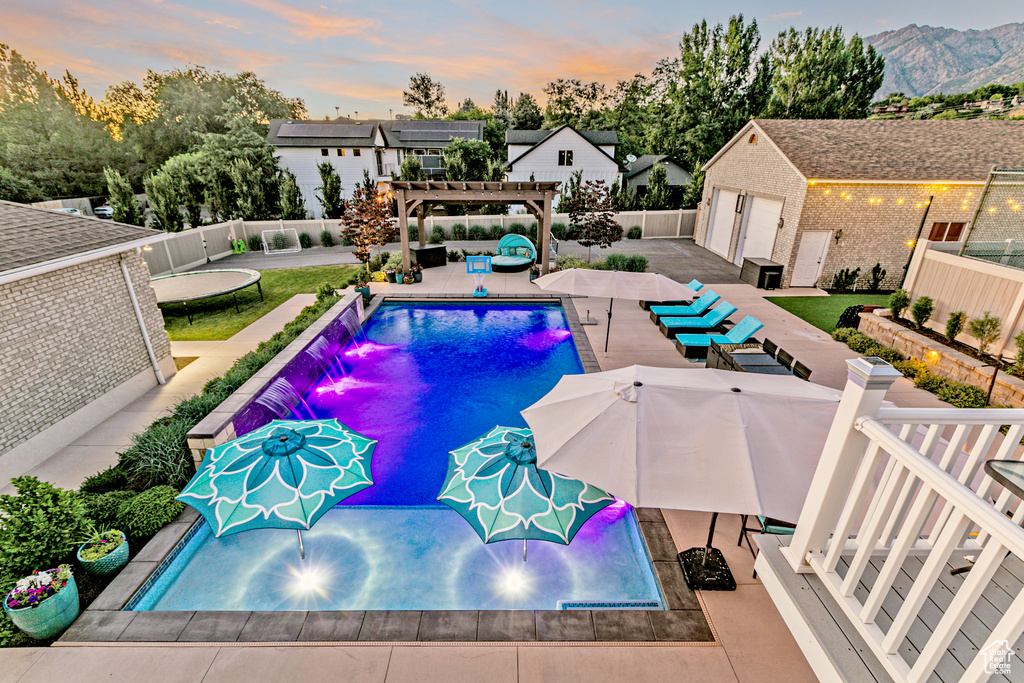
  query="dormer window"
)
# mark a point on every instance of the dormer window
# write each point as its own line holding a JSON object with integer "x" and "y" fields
{"x": 565, "y": 157}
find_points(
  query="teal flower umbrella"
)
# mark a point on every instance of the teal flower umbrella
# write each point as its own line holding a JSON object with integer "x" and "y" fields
{"x": 284, "y": 475}
{"x": 494, "y": 483}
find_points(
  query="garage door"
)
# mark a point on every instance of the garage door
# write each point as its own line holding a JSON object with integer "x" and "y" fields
{"x": 759, "y": 227}
{"x": 722, "y": 218}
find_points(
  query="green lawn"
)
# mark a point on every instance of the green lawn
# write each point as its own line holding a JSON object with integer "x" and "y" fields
{"x": 215, "y": 318}
{"x": 823, "y": 311}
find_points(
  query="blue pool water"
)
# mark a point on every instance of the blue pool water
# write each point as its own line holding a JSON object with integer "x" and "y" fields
{"x": 427, "y": 379}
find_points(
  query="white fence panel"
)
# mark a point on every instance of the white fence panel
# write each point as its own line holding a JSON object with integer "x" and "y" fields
{"x": 158, "y": 259}
{"x": 217, "y": 239}
{"x": 186, "y": 250}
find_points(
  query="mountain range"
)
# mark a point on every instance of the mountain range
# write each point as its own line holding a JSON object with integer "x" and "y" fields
{"x": 926, "y": 60}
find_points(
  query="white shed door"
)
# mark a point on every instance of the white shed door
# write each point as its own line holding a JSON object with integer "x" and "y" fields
{"x": 758, "y": 236}
{"x": 810, "y": 257}
{"x": 722, "y": 218}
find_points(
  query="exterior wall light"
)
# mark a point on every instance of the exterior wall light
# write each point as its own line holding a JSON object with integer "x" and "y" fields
{"x": 839, "y": 235}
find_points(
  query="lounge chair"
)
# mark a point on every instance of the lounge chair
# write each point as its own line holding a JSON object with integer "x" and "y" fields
{"x": 765, "y": 525}
{"x": 801, "y": 371}
{"x": 671, "y": 326}
{"x": 698, "y": 307}
{"x": 696, "y": 345}
{"x": 770, "y": 347}
{"x": 785, "y": 358}
{"x": 515, "y": 253}
{"x": 695, "y": 285}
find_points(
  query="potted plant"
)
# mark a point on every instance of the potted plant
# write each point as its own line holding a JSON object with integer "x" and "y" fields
{"x": 417, "y": 273}
{"x": 104, "y": 553}
{"x": 45, "y": 603}
{"x": 409, "y": 278}
{"x": 390, "y": 274}
{"x": 534, "y": 272}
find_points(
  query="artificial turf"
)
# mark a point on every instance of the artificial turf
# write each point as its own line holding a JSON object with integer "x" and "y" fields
{"x": 823, "y": 311}
{"x": 214, "y": 319}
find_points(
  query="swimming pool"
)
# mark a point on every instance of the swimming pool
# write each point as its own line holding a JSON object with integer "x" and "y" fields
{"x": 426, "y": 379}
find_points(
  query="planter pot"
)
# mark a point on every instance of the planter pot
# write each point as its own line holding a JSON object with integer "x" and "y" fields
{"x": 533, "y": 276}
{"x": 109, "y": 563}
{"x": 365, "y": 291}
{"x": 390, "y": 277}
{"x": 417, "y": 277}
{"x": 51, "y": 617}
{"x": 408, "y": 280}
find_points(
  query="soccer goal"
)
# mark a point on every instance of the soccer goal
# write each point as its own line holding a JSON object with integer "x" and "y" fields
{"x": 282, "y": 241}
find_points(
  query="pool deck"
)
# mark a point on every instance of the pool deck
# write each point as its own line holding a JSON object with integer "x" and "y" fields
{"x": 753, "y": 642}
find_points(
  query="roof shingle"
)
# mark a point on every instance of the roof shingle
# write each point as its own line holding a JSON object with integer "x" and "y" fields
{"x": 897, "y": 150}
{"x": 33, "y": 236}
{"x": 532, "y": 137}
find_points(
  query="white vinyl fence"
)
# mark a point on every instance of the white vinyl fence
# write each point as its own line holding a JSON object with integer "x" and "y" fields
{"x": 190, "y": 248}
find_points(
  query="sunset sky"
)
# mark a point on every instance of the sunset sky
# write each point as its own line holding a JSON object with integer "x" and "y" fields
{"x": 359, "y": 56}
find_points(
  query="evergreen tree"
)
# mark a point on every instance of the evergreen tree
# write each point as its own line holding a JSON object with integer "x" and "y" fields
{"x": 293, "y": 208}
{"x": 122, "y": 199}
{"x": 187, "y": 172}
{"x": 162, "y": 191}
{"x": 411, "y": 169}
{"x": 329, "y": 196}
{"x": 657, "y": 196}
{"x": 526, "y": 115}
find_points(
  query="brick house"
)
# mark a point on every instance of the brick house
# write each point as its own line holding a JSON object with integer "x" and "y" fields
{"x": 80, "y": 332}
{"x": 820, "y": 196}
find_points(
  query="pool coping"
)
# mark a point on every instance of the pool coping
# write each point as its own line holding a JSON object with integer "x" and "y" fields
{"x": 684, "y": 622}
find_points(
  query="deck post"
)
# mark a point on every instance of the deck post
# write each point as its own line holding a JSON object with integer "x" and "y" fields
{"x": 867, "y": 381}
{"x": 403, "y": 229}
{"x": 544, "y": 230}
{"x": 421, "y": 224}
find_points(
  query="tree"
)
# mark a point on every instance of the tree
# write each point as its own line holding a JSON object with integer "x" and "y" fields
{"x": 467, "y": 160}
{"x": 573, "y": 102}
{"x": 256, "y": 191}
{"x": 425, "y": 97}
{"x": 467, "y": 105}
{"x": 367, "y": 222}
{"x": 162, "y": 191}
{"x": 15, "y": 189}
{"x": 187, "y": 172}
{"x": 629, "y": 115}
{"x": 502, "y": 109}
{"x": 330, "y": 191}
{"x": 122, "y": 199}
{"x": 591, "y": 216}
{"x": 657, "y": 197}
{"x": 819, "y": 75}
{"x": 526, "y": 115}
{"x": 292, "y": 206}
{"x": 411, "y": 169}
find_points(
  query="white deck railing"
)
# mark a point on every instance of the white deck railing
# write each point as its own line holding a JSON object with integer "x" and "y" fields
{"x": 894, "y": 483}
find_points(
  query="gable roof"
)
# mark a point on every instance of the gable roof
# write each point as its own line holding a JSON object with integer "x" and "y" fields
{"x": 407, "y": 134}
{"x": 645, "y": 161}
{"x": 892, "y": 150}
{"x": 546, "y": 134}
{"x": 35, "y": 237}
{"x": 532, "y": 137}
{"x": 286, "y": 133}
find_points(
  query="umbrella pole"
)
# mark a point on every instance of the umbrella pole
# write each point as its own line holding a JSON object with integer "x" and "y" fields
{"x": 611, "y": 302}
{"x": 711, "y": 536}
{"x": 524, "y": 550}
{"x": 302, "y": 550}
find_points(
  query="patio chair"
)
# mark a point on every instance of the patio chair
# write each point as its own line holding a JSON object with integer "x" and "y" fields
{"x": 765, "y": 525}
{"x": 770, "y": 347}
{"x": 785, "y": 358}
{"x": 801, "y": 371}
{"x": 696, "y": 345}
{"x": 671, "y": 326}
{"x": 694, "y": 284}
{"x": 698, "y": 307}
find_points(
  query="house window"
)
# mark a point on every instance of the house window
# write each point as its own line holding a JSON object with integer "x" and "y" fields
{"x": 323, "y": 152}
{"x": 419, "y": 152}
{"x": 435, "y": 152}
{"x": 341, "y": 152}
{"x": 357, "y": 152}
{"x": 565, "y": 157}
{"x": 753, "y": 139}
{"x": 946, "y": 232}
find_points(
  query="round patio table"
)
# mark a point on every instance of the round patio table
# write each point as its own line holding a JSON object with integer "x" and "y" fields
{"x": 180, "y": 288}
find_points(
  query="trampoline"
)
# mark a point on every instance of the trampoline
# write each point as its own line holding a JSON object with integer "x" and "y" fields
{"x": 181, "y": 288}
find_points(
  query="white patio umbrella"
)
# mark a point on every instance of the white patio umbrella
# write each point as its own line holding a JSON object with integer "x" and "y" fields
{"x": 614, "y": 284}
{"x": 704, "y": 440}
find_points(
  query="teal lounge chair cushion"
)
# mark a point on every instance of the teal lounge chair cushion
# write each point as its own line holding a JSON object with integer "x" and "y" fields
{"x": 713, "y": 317}
{"x": 737, "y": 335}
{"x": 706, "y": 301}
{"x": 695, "y": 284}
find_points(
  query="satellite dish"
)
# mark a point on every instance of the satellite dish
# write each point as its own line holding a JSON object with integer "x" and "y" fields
{"x": 630, "y": 158}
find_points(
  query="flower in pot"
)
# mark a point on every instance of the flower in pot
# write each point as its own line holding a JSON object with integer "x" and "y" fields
{"x": 417, "y": 273}
{"x": 534, "y": 273}
{"x": 104, "y": 553}
{"x": 390, "y": 274}
{"x": 45, "y": 603}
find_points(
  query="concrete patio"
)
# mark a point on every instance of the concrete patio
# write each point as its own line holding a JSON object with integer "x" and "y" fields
{"x": 753, "y": 644}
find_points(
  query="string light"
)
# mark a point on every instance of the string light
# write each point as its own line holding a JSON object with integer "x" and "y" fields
{"x": 828, "y": 191}
{"x": 899, "y": 201}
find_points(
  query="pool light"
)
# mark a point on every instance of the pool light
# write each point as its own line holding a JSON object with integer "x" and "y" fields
{"x": 513, "y": 582}
{"x": 307, "y": 580}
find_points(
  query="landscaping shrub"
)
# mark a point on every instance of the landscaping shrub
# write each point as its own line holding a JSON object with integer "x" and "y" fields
{"x": 955, "y": 324}
{"x": 634, "y": 233}
{"x": 517, "y": 229}
{"x": 101, "y": 509}
{"x": 922, "y": 309}
{"x": 193, "y": 409}
{"x": 877, "y": 275}
{"x": 843, "y": 334}
{"x": 962, "y": 395}
{"x": 279, "y": 241}
{"x": 887, "y": 354}
{"x": 898, "y": 302}
{"x": 323, "y": 291}
{"x": 637, "y": 263}
{"x": 986, "y": 330}
{"x": 616, "y": 262}
{"x": 497, "y": 232}
{"x": 559, "y": 231}
{"x": 150, "y": 511}
{"x": 477, "y": 233}
{"x": 531, "y": 232}
{"x": 436, "y": 235}
{"x": 305, "y": 241}
{"x": 394, "y": 261}
{"x": 930, "y": 382}
{"x": 254, "y": 243}
{"x": 377, "y": 262}
{"x": 159, "y": 455}
{"x": 845, "y": 279}
{"x": 1018, "y": 362}
{"x": 110, "y": 479}
{"x": 911, "y": 368}
{"x": 38, "y": 527}
{"x": 458, "y": 231}
{"x": 566, "y": 262}
{"x": 327, "y": 238}
{"x": 454, "y": 256}
{"x": 860, "y": 342}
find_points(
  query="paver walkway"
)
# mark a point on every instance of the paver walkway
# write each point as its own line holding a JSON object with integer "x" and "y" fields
{"x": 755, "y": 644}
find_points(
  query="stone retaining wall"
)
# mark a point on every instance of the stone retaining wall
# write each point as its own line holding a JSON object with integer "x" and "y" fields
{"x": 944, "y": 361}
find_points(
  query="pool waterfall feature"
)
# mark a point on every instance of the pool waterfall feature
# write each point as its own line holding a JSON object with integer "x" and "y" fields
{"x": 316, "y": 371}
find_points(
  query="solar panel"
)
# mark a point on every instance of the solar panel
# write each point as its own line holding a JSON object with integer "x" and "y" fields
{"x": 430, "y": 135}
{"x": 324, "y": 130}
{"x": 466, "y": 126}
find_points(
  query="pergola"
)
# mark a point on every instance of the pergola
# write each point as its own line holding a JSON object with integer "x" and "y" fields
{"x": 422, "y": 196}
